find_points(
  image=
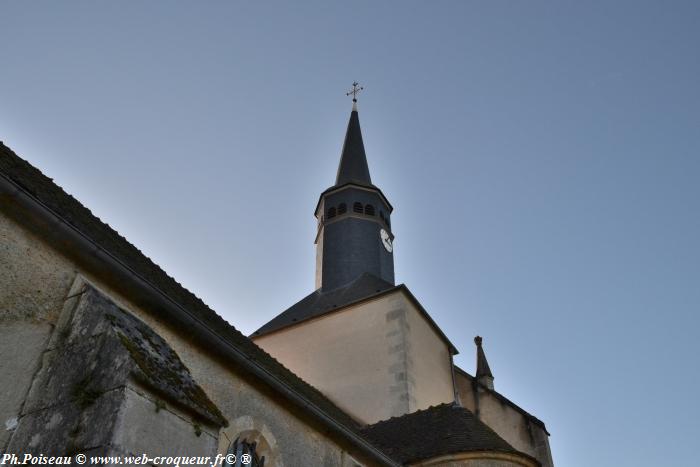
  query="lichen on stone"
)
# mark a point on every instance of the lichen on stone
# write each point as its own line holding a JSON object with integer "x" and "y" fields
{"x": 159, "y": 405}
{"x": 84, "y": 395}
{"x": 160, "y": 367}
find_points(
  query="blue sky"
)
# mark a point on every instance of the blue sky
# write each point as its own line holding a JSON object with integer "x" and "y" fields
{"x": 542, "y": 159}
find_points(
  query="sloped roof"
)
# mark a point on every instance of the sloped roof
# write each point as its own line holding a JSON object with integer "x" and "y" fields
{"x": 53, "y": 198}
{"x": 433, "y": 432}
{"x": 365, "y": 287}
{"x": 318, "y": 303}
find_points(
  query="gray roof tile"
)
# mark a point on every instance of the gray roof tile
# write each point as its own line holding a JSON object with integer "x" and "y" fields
{"x": 433, "y": 432}
{"x": 353, "y": 161}
{"x": 318, "y": 303}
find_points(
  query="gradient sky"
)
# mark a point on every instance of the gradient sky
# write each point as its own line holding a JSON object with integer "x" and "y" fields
{"x": 543, "y": 160}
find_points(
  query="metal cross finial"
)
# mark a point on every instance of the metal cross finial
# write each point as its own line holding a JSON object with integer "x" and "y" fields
{"x": 356, "y": 88}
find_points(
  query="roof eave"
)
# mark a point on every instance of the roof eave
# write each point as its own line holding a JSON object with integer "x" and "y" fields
{"x": 335, "y": 188}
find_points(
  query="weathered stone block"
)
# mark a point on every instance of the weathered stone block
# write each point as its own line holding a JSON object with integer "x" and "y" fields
{"x": 84, "y": 395}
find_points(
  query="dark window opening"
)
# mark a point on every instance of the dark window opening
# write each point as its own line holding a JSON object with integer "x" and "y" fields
{"x": 245, "y": 455}
{"x": 357, "y": 207}
{"x": 342, "y": 208}
{"x": 369, "y": 210}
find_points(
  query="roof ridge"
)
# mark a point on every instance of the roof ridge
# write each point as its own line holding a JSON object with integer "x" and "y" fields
{"x": 319, "y": 303}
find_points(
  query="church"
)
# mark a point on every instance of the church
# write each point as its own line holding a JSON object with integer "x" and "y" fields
{"x": 104, "y": 354}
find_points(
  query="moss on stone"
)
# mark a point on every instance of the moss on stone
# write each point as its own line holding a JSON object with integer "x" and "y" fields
{"x": 84, "y": 396}
{"x": 160, "y": 405}
{"x": 169, "y": 375}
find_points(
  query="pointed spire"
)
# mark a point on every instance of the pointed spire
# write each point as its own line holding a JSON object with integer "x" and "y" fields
{"x": 483, "y": 372}
{"x": 353, "y": 161}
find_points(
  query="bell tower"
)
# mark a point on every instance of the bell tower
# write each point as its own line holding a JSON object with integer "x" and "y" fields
{"x": 354, "y": 234}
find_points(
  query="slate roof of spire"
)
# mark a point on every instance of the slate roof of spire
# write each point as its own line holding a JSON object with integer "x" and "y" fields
{"x": 353, "y": 166}
{"x": 436, "y": 431}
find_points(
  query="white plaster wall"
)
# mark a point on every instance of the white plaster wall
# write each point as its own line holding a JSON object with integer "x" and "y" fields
{"x": 432, "y": 366}
{"x": 34, "y": 284}
{"x": 376, "y": 360}
{"x": 319, "y": 247}
{"x": 345, "y": 355}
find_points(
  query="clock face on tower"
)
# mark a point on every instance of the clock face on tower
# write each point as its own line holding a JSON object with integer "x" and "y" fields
{"x": 386, "y": 240}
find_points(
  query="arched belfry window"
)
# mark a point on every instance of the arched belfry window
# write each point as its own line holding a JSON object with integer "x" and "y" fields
{"x": 245, "y": 455}
{"x": 342, "y": 208}
{"x": 357, "y": 207}
{"x": 369, "y": 210}
{"x": 331, "y": 213}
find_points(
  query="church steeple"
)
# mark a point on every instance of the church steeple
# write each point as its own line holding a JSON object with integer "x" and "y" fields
{"x": 353, "y": 160}
{"x": 483, "y": 372}
{"x": 354, "y": 228}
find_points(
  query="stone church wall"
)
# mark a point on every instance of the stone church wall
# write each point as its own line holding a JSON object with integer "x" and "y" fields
{"x": 432, "y": 365}
{"x": 21, "y": 345}
{"x": 511, "y": 424}
{"x": 34, "y": 283}
{"x": 385, "y": 343}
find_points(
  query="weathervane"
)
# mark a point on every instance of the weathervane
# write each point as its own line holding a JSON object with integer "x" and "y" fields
{"x": 356, "y": 88}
